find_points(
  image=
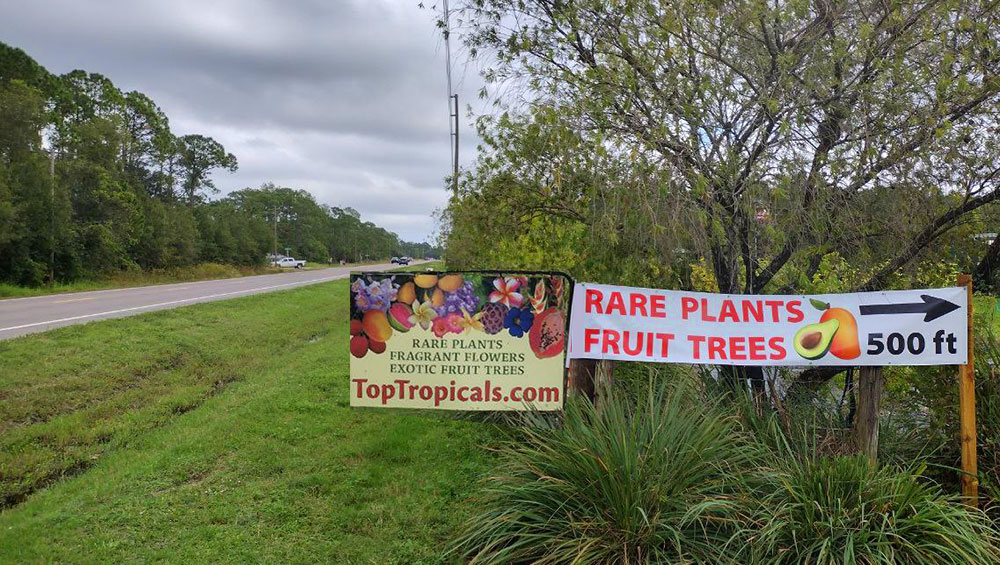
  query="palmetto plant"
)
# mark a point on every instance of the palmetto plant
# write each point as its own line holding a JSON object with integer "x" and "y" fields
{"x": 846, "y": 509}
{"x": 650, "y": 480}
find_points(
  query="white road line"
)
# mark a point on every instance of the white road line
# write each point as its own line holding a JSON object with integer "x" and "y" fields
{"x": 296, "y": 283}
{"x": 74, "y": 300}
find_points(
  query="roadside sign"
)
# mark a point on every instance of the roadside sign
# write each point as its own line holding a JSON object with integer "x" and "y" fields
{"x": 904, "y": 327}
{"x": 458, "y": 340}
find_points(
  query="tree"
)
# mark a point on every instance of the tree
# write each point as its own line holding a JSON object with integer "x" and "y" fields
{"x": 770, "y": 131}
{"x": 199, "y": 155}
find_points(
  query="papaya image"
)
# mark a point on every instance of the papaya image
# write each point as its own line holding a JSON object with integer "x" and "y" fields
{"x": 845, "y": 344}
{"x": 547, "y": 336}
{"x": 376, "y": 326}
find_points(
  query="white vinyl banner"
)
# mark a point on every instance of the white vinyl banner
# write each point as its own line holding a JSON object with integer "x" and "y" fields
{"x": 900, "y": 327}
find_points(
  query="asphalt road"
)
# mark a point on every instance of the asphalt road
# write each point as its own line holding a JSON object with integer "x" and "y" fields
{"x": 20, "y": 316}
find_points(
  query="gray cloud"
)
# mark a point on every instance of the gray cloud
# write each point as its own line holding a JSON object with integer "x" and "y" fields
{"x": 345, "y": 99}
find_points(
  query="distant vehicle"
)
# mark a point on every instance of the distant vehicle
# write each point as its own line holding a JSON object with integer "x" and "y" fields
{"x": 404, "y": 261}
{"x": 289, "y": 263}
{"x": 395, "y": 260}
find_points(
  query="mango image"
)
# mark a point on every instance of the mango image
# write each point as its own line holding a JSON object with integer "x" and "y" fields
{"x": 450, "y": 283}
{"x": 845, "y": 344}
{"x": 437, "y": 299}
{"x": 425, "y": 280}
{"x": 813, "y": 341}
{"x": 407, "y": 293}
{"x": 376, "y": 326}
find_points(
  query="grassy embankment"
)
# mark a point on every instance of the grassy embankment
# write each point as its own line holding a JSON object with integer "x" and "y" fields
{"x": 218, "y": 432}
{"x": 124, "y": 279}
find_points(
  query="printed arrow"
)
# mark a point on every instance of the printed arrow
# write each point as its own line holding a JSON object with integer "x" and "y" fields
{"x": 932, "y": 307}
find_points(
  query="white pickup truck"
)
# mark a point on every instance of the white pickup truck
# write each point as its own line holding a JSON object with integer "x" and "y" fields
{"x": 288, "y": 262}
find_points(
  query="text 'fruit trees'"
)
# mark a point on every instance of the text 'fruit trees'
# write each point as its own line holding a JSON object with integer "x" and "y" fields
{"x": 906, "y": 327}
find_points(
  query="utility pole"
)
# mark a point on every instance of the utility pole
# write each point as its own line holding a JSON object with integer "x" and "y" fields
{"x": 52, "y": 215}
{"x": 274, "y": 249}
{"x": 453, "y": 113}
{"x": 454, "y": 178}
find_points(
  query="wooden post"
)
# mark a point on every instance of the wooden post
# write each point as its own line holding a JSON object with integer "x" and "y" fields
{"x": 871, "y": 383}
{"x": 604, "y": 376}
{"x": 967, "y": 410}
{"x": 582, "y": 376}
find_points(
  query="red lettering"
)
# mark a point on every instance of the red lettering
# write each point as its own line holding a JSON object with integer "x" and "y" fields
{"x": 688, "y": 305}
{"x": 775, "y": 305}
{"x": 737, "y": 348}
{"x": 777, "y": 346}
{"x": 665, "y": 340}
{"x": 704, "y": 311}
{"x": 750, "y": 311}
{"x": 637, "y": 302}
{"x": 361, "y": 385}
{"x": 795, "y": 311}
{"x": 757, "y": 348}
{"x": 616, "y": 303}
{"x": 611, "y": 341}
{"x": 696, "y": 341}
{"x": 633, "y": 351}
{"x": 716, "y": 346}
{"x": 463, "y": 397}
{"x": 728, "y": 311}
{"x": 388, "y": 391}
{"x": 590, "y": 338}
{"x": 440, "y": 394}
{"x": 658, "y": 306}
{"x": 593, "y": 303}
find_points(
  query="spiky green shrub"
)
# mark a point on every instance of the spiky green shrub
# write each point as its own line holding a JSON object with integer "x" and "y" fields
{"x": 846, "y": 510}
{"x": 644, "y": 480}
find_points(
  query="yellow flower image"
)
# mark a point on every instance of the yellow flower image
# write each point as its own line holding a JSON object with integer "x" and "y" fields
{"x": 423, "y": 314}
{"x": 467, "y": 322}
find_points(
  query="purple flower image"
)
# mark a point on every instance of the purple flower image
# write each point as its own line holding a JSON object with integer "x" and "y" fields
{"x": 375, "y": 295}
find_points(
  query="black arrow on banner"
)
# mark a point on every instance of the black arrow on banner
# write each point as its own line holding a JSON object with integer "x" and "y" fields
{"x": 932, "y": 307}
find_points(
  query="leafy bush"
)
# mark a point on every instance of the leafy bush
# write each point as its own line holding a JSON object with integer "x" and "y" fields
{"x": 848, "y": 510}
{"x": 652, "y": 480}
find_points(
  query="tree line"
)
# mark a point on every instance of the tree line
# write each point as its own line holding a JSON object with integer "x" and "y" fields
{"x": 92, "y": 180}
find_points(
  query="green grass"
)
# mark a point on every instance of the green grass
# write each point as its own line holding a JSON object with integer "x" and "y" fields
{"x": 220, "y": 432}
{"x": 432, "y": 265}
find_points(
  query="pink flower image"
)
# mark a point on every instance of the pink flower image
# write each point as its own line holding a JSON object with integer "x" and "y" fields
{"x": 506, "y": 292}
{"x": 444, "y": 325}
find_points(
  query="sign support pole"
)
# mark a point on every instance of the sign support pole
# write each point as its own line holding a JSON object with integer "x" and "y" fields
{"x": 967, "y": 410}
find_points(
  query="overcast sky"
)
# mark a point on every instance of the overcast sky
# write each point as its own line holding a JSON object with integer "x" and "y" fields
{"x": 344, "y": 98}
